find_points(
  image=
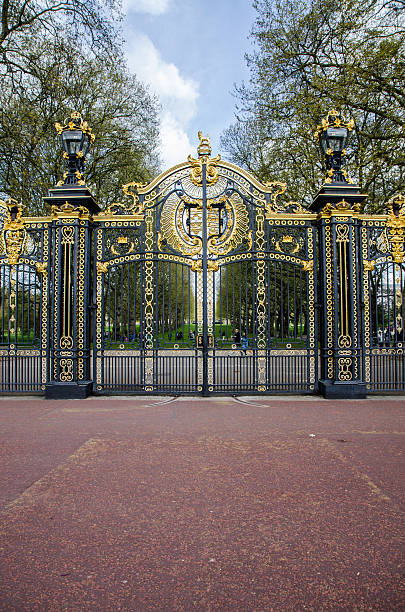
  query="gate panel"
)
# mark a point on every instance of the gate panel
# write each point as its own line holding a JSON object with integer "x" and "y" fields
{"x": 147, "y": 319}
{"x": 24, "y": 262}
{"x": 263, "y": 279}
{"x": 384, "y": 280}
{"x": 206, "y": 283}
{"x": 384, "y": 315}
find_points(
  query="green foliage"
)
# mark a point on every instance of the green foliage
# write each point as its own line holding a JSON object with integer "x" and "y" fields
{"x": 175, "y": 301}
{"x": 49, "y": 69}
{"x": 312, "y": 56}
{"x": 92, "y": 22}
{"x": 286, "y": 301}
{"x": 174, "y": 304}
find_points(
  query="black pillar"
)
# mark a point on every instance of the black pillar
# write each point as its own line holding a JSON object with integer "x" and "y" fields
{"x": 70, "y": 375}
{"x": 342, "y": 342}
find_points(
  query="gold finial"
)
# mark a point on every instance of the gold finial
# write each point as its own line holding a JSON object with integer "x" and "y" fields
{"x": 14, "y": 232}
{"x": 204, "y": 152}
{"x": 397, "y": 204}
{"x": 74, "y": 122}
{"x": 14, "y": 208}
{"x": 204, "y": 148}
{"x": 76, "y": 116}
{"x": 333, "y": 119}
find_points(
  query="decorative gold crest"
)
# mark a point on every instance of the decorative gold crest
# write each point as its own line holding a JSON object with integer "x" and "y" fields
{"x": 204, "y": 151}
{"x": 395, "y": 225}
{"x": 181, "y": 225}
{"x": 14, "y": 234}
{"x": 340, "y": 207}
{"x": 75, "y": 122}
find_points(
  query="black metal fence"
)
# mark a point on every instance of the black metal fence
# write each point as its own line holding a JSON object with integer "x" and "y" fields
{"x": 205, "y": 282}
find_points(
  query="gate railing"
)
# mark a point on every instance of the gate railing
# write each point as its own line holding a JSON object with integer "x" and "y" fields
{"x": 45, "y": 308}
{"x": 25, "y": 258}
{"x": 204, "y": 284}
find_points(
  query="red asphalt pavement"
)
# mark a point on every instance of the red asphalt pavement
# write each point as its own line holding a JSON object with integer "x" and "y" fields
{"x": 202, "y": 504}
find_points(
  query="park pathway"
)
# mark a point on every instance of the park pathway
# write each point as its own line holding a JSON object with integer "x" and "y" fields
{"x": 239, "y": 504}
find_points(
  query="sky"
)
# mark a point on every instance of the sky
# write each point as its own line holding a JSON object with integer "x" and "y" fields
{"x": 190, "y": 53}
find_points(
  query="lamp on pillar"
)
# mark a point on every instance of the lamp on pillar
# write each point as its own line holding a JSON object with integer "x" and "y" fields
{"x": 73, "y": 207}
{"x": 338, "y": 205}
{"x": 76, "y": 138}
{"x": 333, "y": 135}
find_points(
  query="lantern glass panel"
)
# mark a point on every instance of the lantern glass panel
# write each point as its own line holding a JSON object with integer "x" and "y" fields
{"x": 86, "y": 145}
{"x": 337, "y": 138}
{"x": 323, "y": 142}
{"x": 72, "y": 141}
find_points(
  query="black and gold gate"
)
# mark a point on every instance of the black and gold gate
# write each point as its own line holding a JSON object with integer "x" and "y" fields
{"x": 25, "y": 245}
{"x": 382, "y": 240}
{"x": 205, "y": 283}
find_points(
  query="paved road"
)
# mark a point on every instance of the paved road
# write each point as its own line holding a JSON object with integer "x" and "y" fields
{"x": 201, "y": 504}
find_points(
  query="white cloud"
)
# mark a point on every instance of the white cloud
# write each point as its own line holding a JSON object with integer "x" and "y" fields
{"x": 153, "y": 7}
{"x": 175, "y": 144}
{"x": 178, "y": 95}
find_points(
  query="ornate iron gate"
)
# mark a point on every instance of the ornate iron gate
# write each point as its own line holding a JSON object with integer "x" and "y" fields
{"x": 205, "y": 283}
{"x": 24, "y": 300}
{"x": 384, "y": 293}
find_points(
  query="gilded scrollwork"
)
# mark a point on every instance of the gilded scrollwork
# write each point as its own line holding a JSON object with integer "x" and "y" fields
{"x": 196, "y": 265}
{"x": 14, "y": 233}
{"x": 287, "y": 240}
{"x": 308, "y": 266}
{"x": 42, "y": 268}
{"x": 137, "y": 206}
{"x": 342, "y": 233}
{"x": 66, "y": 342}
{"x": 274, "y": 206}
{"x": 68, "y": 235}
{"x": 395, "y": 225}
{"x": 340, "y": 207}
{"x": 102, "y": 267}
{"x": 378, "y": 242}
{"x": 344, "y": 369}
{"x": 368, "y": 265}
{"x": 66, "y": 370}
{"x": 204, "y": 152}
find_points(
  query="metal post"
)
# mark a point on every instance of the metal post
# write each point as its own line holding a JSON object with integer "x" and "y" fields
{"x": 342, "y": 338}
{"x": 205, "y": 278}
{"x": 69, "y": 372}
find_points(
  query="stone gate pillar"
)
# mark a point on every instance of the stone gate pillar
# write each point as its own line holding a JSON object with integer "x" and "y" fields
{"x": 70, "y": 355}
{"x": 340, "y": 297}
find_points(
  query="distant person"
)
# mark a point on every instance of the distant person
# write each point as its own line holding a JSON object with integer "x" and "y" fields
{"x": 245, "y": 344}
{"x": 237, "y": 337}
